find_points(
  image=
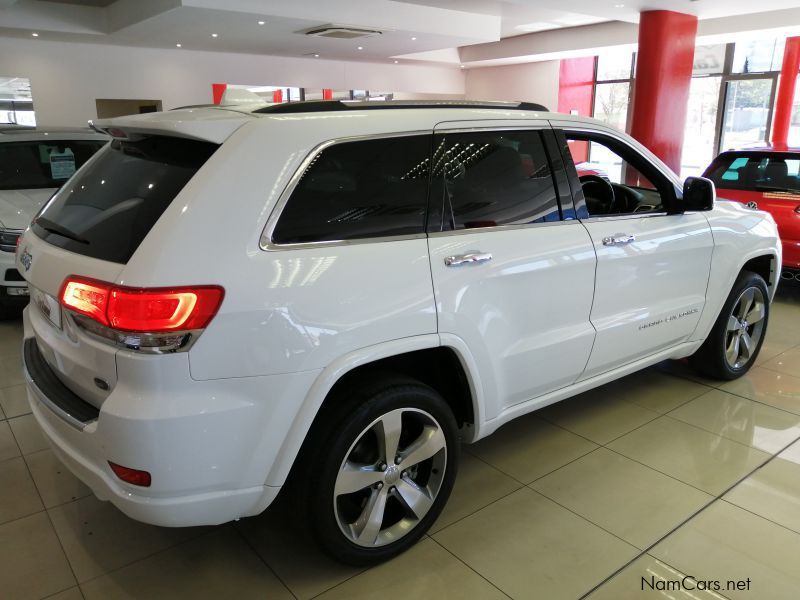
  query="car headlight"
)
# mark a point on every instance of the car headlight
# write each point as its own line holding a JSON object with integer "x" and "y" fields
{"x": 8, "y": 239}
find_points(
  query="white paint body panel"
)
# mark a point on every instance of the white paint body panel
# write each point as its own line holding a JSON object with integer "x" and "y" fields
{"x": 219, "y": 426}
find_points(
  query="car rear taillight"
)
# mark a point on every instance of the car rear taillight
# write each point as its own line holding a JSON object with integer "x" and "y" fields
{"x": 141, "y": 318}
{"x": 132, "y": 476}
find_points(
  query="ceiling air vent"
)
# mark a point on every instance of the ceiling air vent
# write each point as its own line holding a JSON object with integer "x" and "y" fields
{"x": 341, "y": 33}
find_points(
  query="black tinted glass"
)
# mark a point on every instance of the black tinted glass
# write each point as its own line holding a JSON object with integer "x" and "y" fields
{"x": 756, "y": 171}
{"x": 107, "y": 210}
{"x": 361, "y": 189}
{"x": 493, "y": 178}
{"x": 40, "y": 165}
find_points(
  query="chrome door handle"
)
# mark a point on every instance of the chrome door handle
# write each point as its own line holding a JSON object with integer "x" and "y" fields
{"x": 473, "y": 258}
{"x": 618, "y": 240}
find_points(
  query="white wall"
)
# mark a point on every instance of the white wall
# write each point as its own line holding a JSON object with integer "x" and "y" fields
{"x": 529, "y": 82}
{"x": 66, "y": 78}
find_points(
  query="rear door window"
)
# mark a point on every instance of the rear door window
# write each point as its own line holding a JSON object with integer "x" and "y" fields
{"x": 756, "y": 171}
{"x": 107, "y": 210}
{"x": 42, "y": 164}
{"x": 360, "y": 189}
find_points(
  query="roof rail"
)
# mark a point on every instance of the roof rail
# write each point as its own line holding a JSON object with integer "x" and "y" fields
{"x": 337, "y": 105}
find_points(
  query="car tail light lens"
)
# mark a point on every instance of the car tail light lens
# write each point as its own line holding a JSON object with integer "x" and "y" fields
{"x": 155, "y": 319}
{"x": 132, "y": 476}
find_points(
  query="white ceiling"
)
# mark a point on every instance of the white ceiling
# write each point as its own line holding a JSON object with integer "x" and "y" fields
{"x": 428, "y": 30}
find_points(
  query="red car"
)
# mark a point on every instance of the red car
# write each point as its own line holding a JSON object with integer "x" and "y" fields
{"x": 767, "y": 178}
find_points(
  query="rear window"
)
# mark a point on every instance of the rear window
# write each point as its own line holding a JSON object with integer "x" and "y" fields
{"x": 44, "y": 164}
{"x": 106, "y": 210}
{"x": 756, "y": 171}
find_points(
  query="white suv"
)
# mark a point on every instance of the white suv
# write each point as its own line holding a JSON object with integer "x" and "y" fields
{"x": 227, "y": 299}
{"x": 34, "y": 162}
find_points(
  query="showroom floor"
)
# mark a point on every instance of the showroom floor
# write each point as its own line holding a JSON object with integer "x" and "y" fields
{"x": 652, "y": 477}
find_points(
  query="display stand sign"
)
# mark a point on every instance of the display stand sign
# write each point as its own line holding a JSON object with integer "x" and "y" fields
{"x": 62, "y": 164}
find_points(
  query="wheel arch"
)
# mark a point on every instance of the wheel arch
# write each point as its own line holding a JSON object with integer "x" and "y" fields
{"x": 425, "y": 357}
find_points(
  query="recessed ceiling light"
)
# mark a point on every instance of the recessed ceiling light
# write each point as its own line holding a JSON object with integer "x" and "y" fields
{"x": 261, "y": 22}
{"x": 34, "y": 34}
{"x": 177, "y": 45}
{"x": 413, "y": 39}
{"x": 361, "y": 47}
{"x": 463, "y": 67}
{"x": 619, "y": 6}
{"x": 397, "y": 61}
{"x": 214, "y": 35}
{"x": 316, "y": 56}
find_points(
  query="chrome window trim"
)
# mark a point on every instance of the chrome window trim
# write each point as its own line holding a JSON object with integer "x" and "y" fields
{"x": 625, "y": 217}
{"x": 438, "y": 234}
{"x": 266, "y": 243}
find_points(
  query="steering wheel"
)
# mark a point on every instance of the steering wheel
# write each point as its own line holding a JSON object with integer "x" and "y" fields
{"x": 599, "y": 194}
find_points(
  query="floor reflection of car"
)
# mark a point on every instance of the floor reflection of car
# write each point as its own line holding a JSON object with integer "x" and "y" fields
{"x": 766, "y": 178}
{"x": 34, "y": 163}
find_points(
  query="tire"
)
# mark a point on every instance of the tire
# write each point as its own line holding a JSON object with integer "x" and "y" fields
{"x": 345, "y": 475}
{"x": 736, "y": 338}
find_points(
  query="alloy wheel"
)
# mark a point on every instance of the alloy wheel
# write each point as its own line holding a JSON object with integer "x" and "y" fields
{"x": 745, "y": 328}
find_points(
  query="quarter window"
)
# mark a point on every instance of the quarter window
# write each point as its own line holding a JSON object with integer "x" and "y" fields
{"x": 360, "y": 189}
{"x": 486, "y": 179}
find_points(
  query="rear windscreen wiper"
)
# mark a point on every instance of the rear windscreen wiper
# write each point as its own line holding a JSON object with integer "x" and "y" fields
{"x": 52, "y": 227}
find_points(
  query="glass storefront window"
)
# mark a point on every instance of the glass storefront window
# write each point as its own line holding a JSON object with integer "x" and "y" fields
{"x": 16, "y": 102}
{"x": 614, "y": 65}
{"x": 758, "y": 56}
{"x": 611, "y": 103}
{"x": 709, "y": 60}
{"x": 746, "y": 112}
{"x": 701, "y": 125}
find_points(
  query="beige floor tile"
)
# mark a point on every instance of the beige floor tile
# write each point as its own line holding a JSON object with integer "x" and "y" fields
{"x": 648, "y": 578}
{"x": 726, "y": 543}
{"x": 8, "y": 445}
{"x": 287, "y": 548}
{"x": 768, "y": 387}
{"x": 2, "y": 414}
{"x": 599, "y": 415}
{"x": 787, "y": 363}
{"x": 741, "y": 420}
{"x": 770, "y": 350}
{"x": 657, "y": 391}
{"x": 530, "y": 547}
{"x": 18, "y": 497}
{"x": 681, "y": 368}
{"x": 218, "y": 565}
{"x": 32, "y": 564}
{"x": 425, "y": 571}
{"x": 773, "y": 491}
{"x": 28, "y": 434}
{"x": 14, "y": 401}
{"x": 73, "y": 593}
{"x": 623, "y": 497}
{"x": 699, "y": 458}
{"x": 55, "y": 482}
{"x": 477, "y": 485}
{"x": 98, "y": 538}
{"x": 528, "y": 447}
{"x": 11, "y": 370}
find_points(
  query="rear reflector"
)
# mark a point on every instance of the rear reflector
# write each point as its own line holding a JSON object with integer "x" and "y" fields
{"x": 132, "y": 476}
{"x": 154, "y": 310}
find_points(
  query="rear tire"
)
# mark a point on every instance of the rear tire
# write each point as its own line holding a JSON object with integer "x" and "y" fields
{"x": 736, "y": 338}
{"x": 378, "y": 468}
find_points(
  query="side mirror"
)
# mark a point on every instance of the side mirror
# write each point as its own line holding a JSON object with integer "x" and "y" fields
{"x": 699, "y": 193}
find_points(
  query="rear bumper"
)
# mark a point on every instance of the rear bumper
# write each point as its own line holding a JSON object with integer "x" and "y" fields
{"x": 209, "y": 446}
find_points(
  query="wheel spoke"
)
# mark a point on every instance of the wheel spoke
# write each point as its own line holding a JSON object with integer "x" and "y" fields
{"x": 415, "y": 498}
{"x": 745, "y": 302}
{"x": 746, "y": 346}
{"x": 354, "y": 477}
{"x": 733, "y": 323}
{"x": 755, "y": 314}
{"x": 430, "y": 441}
{"x": 368, "y": 525}
{"x": 389, "y": 430}
{"x": 732, "y": 352}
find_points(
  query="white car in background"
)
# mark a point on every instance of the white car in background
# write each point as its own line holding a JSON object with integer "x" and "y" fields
{"x": 228, "y": 299}
{"x": 34, "y": 162}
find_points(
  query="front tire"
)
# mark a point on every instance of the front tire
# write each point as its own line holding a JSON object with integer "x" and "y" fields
{"x": 380, "y": 469}
{"x": 736, "y": 338}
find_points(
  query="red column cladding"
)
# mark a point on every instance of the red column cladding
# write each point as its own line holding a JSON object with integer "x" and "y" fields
{"x": 575, "y": 95}
{"x": 277, "y": 96}
{"x": 663, "y": 77}
{"x": 327, "y": 94}
{"x": 217, "y": 90}
{"x": 786, "y": 87}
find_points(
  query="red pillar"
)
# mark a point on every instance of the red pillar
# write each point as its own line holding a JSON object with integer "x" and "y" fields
{"x": 786, "y": 87}
{"x": 327, "y": 94}
{"x": 575, "y": 93}
{"x": 663, "y": 77}
{"x": 217, "y": 90}
{"x": 277, "y": 96}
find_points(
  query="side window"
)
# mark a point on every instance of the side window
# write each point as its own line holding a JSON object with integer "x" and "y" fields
{"x": 486, "y": 179}
{"x": 360, "y": 189}
{"x": 615, "y": 179}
